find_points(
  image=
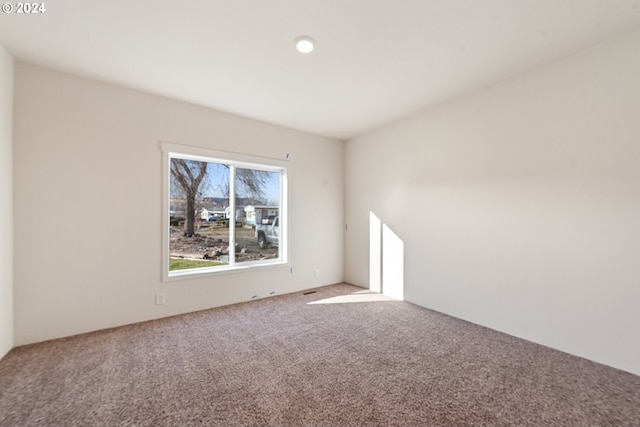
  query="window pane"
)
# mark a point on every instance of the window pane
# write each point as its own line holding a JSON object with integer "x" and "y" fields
{"x": 199, "y": 214}
{"x": 209, "y": 194}
{"x": 257, "y": 212}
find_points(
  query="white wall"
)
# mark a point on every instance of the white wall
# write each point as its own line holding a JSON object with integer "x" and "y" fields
{"x": 6, "y": 202}
{"x": 88, "y": 174}
{"x": 519, "y": 205}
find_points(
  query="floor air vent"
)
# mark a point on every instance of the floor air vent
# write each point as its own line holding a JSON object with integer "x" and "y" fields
{"x": 308, "y": 292}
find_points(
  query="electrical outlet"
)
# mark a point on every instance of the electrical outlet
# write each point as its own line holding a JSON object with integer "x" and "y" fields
{"x": 160, "y": 298}
{"x": 317, "y": 273}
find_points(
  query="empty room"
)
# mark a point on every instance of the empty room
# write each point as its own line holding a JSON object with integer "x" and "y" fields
{"x": 334, "y": 213}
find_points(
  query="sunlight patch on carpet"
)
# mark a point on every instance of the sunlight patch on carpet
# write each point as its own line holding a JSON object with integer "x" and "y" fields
{"x": 360, "y": 296}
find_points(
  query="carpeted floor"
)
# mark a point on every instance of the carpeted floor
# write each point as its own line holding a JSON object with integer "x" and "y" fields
{"x": 329, "y": 358}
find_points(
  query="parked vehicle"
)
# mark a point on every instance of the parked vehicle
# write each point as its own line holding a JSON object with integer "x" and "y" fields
{"x": 268, "y": 234}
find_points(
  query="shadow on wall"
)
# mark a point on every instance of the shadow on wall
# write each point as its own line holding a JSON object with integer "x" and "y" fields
{"x": 386, "y": 259}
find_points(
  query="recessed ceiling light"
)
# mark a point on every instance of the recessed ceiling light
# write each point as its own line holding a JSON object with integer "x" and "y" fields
{"x": 304, "y": 44}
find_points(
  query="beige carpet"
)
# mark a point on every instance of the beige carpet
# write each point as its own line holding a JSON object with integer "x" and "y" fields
{"x": 284, "y": 361}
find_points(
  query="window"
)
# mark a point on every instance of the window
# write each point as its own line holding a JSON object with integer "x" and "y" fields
{"x": 223, "y": 211}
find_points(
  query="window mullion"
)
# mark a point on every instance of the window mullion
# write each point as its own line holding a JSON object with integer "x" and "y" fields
{"x": 232, "y": 214}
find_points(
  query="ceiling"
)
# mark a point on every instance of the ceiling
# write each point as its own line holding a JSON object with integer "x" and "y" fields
{"x": 375, "y": 60}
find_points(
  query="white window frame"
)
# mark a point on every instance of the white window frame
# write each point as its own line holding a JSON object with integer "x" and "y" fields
{"x": 235, "y": 160}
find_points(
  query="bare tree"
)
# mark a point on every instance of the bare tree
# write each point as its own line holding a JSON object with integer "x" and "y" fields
{"x": 253, "y": 181}
{"x": 188, "y": 175}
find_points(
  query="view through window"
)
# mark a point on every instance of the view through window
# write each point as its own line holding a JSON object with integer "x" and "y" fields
{"x": 223, "y": 214}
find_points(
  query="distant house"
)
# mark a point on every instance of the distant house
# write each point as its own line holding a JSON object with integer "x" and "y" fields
{"x": 250, "y": 215}
{"x": 204, "y": 214}
{"x": 245, "y": 215}
{"x": 260, "y": 214}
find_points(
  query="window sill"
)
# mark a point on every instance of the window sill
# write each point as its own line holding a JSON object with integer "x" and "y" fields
{"x": 198, "y": 273}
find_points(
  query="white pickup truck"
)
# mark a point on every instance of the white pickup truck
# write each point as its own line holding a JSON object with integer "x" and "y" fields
{"x": 268, "y": 234}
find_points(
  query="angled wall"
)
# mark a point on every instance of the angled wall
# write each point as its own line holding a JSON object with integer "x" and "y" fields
{"x": 519, "y": 205}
